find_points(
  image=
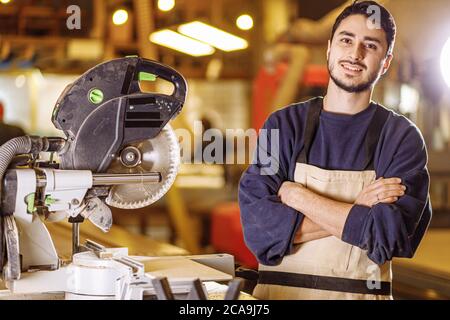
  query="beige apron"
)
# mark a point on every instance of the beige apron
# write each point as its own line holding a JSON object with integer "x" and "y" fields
{"x": 329, "y": 268}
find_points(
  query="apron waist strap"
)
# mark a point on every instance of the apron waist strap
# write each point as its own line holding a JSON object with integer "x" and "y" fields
{"x": 324, "y": 283}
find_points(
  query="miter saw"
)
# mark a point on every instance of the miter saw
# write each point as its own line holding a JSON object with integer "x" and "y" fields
{"x": 119, "y": 151}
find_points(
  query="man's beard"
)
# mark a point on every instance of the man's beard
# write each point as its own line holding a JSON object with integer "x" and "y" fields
{"x": 354, "y": 88}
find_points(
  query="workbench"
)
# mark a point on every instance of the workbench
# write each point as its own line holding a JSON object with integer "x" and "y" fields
{"x": 61, "y": 233}
{"x": 427, "y": 274}
{"x": 117, "y": 236}
{"x": 176, "y": 263}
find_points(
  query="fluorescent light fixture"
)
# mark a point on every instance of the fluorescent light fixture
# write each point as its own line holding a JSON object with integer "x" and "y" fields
{"x": 176, "y": 41}
{"x": 244, "y": 22}
{"x": 445, "y": 62}
{"x": 217, "y": 38}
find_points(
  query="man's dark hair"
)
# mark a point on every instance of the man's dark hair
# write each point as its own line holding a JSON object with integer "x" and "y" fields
{"x": 387, "y": 22}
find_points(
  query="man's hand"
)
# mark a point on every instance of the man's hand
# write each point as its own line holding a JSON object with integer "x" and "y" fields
{"x": 287, "y": 192}
{"x": 381, "y": 191}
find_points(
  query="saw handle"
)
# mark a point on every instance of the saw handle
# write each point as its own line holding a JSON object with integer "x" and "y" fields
{"x": 166, "y": 73}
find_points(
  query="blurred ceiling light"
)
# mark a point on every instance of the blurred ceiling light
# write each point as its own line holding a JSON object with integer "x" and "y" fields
{"x": 213, "y": 36}
{"x": 244, "y": 22}
{"x": 445, "y": 62}
{"x": 166, "y": 5}
{"x": 5, "y": 1}
{"x": 120, "y": 17}
{"x": 176, "y": 41}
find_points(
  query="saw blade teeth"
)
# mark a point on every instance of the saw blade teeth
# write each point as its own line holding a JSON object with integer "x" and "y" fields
{"x": 170, "y": 170}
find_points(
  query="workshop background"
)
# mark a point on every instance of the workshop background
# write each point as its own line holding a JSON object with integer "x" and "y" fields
{"x": 246, "y": 71}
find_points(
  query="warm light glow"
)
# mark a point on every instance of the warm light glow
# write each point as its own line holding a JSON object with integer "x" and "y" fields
{"x": 176, "y": 41}
{"x": 5, "y": 1}
{"x": 20, "y": 81}
{"x": 120, "y": 17}
{"x": 244, "y": 22}
{"x": 166, "y": 5}
{"x": 213, "y": 36}
{"x": 445, "y": 62}
{"x": 409, "y": 99}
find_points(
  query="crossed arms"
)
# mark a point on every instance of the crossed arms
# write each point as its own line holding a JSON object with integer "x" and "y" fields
{"x": 324, "y": 216}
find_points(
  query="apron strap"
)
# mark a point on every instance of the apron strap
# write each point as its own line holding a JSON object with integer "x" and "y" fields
{"x": 312, "y": 123}
{"x": 372, "y": 136}
{"x": 309, "y": 281}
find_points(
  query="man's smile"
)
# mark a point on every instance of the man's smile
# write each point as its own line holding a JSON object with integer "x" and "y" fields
{"x": 351, "y": 68}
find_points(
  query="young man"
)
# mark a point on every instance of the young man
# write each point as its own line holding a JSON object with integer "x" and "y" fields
{"x": 351, "y": 189}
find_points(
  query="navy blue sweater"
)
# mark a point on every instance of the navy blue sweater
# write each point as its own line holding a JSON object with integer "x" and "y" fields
{"x": 385, "y": 230}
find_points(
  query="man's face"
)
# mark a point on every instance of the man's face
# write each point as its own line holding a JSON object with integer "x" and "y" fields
{"x": 357, "y": 55}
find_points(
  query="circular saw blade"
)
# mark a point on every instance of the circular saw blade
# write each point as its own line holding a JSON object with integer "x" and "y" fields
{"x": 160, "y": 154}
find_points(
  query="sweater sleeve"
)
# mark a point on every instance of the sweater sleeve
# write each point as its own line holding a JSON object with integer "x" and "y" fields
{"x": 269, "y": 226}
{"x": 395, "y": 230}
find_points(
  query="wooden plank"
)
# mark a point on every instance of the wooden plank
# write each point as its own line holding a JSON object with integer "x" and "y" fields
{"x": 182, "y": 221}
{"x": 432, "y": 256}
{"x": 180, "y": 268}
{"x": 427, "y": 275}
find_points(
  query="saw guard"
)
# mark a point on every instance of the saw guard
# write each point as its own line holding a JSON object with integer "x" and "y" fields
{"x": 160, "y": 154}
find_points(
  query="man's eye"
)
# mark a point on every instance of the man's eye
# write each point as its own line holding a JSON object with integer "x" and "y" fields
{"x": 371, "y": 46}
{"x": 346, "y": 40}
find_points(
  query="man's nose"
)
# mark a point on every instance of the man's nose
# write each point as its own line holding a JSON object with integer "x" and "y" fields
{"x": 357, "y": 52}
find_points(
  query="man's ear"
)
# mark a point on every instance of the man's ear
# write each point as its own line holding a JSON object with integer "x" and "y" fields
{"x": 387, "y": 63}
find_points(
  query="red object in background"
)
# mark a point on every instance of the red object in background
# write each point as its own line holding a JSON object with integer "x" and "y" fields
{"x": 265, "y": 87}
{"x": 267, "y": 82}
{"x": 316, "y": 76}
{"x": 227, "y": 235}
{"x": 2, "y": 111}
